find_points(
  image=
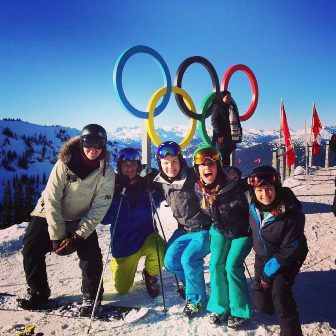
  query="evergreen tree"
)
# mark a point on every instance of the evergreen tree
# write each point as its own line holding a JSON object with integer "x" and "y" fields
{"x": 29, "y": 199}
{"x": 18, "y": 202}
{"x": 6, "y": 215}
{"x": 44, "y": 179}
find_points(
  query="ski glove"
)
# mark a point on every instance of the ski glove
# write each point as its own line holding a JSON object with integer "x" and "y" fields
{"x": 271, "y": 267}
{"x": 69, "y": 245}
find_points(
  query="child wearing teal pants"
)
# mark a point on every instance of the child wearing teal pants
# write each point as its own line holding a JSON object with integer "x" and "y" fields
{"x": 221, "y": 193}
{"x": 229, "y": 293}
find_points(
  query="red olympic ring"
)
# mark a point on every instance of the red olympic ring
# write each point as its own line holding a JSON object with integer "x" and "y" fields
{"x": 254, "y": 86}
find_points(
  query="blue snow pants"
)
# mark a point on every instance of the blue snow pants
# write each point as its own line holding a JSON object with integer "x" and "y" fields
{"x": 184, "y": 258}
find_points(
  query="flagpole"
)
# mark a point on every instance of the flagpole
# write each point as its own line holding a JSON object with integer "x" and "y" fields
{"x": 280, "y": 124}
{"x": 306, "y": 154}
{"x": 311, "y": 124}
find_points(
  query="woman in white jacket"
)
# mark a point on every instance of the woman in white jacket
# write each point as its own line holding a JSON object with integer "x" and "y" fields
{"x": 77, "y": 196}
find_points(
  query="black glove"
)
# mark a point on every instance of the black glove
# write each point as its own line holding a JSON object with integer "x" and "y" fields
{"x": 56, "y": 244}
{"x": 69, "y": 245}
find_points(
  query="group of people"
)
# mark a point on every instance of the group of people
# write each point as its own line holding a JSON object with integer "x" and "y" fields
{"x": 217, "y": 212}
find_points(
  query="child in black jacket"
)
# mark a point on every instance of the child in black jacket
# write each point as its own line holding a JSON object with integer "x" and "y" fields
{"x": 277, "y": 225}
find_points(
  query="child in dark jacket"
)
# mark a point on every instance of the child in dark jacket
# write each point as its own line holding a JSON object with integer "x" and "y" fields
{"x": 132, "y": 232}
{"x": 280, "y": 245}
{"x": 189, "y": 243}
{"x": 221, "y": 192}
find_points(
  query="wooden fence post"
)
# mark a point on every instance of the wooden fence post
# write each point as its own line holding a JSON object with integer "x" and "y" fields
{"x": 281, "y": 164}
{"x": 326, "y": 162}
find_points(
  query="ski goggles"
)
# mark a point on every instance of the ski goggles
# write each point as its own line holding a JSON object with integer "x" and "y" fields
{"x": 168, "y": 148}
{"x": 92, "y": 141}
{"x": 211, "y": 153}
{"x": 258, "y": 179}
{"x": 129, "y": 154}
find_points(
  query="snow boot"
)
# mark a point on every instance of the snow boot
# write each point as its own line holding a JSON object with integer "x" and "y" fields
{"x": 152, "y": 284}
{"x": 87, "y": 307}
{"x": 235, "y": 322}
{"x": 35, "y": 301}
{"x": 217, "y": 319}
{"x": 191, "y": 310}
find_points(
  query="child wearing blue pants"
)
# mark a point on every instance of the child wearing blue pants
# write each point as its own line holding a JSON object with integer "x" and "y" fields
{"x": 189, "y": 244}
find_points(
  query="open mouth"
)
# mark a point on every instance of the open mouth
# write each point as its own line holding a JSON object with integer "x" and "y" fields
{"x": 207, "y": 175}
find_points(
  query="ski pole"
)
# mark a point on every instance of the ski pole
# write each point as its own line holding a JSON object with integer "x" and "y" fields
{"x": 248, "y": 271}
{"x": 122, "y": 194}
{"x": 157, "y": 248}
{"x": 179, "y": 289}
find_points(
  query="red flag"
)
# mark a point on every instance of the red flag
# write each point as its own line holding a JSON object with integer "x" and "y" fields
{"x": 290, "y": 156}
{"x": 316, "y": 128}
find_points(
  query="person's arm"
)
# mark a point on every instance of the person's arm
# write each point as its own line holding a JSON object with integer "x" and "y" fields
{"x": 291, "y": 247}
{"x": 217, "y": 120}
{"x": 52, "y": 198}
{"x": 100, "y": 205}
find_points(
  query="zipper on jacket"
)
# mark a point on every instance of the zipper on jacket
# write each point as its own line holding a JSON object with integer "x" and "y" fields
{"x": 258, "y": 221}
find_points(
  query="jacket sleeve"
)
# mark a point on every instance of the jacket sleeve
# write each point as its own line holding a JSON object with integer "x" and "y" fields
{"x": 216, "y": 120}
{"x": 100, "y": 204}
{"x": 52, "y": 199}
{"x": 292, "y": 245}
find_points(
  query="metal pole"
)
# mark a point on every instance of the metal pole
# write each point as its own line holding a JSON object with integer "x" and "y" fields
{"x": 145, "y": 146}
{"x": 106, "y": 261}
{"x": 157, "y": 248}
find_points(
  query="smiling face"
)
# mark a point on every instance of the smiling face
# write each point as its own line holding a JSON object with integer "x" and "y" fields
{"x": 130, "y": 169}
{"x": 208, "y": 171}
{"x": 170, "y": 165}
{"x": 92, "y": 153}
{"x": 265, "y": 194}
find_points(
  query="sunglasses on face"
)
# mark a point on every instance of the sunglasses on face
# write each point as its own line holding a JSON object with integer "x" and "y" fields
{"x": 89, "y": 141}
{"x": 256, "y": 180}
{"x": 209, "y": 153}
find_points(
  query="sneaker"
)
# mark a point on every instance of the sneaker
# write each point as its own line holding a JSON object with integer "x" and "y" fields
{"x": 87, "y": 306}
{"x": 152, "y": 284}
{"x": 35, "y": 300}
{"x": 217, "y": 318}
{"x": 191, "y": 310}
{"x": 235, "y": 322}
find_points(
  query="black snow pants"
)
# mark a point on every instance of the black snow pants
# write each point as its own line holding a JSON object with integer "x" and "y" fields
{"x": 37, "y": 243}
{"x": 279, "y": 298}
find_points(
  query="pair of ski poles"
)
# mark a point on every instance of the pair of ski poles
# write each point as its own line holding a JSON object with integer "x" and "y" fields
{"x": 154, "y": 212}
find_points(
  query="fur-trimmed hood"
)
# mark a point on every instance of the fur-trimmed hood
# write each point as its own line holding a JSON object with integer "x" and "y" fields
{"x": 66, "y": 150}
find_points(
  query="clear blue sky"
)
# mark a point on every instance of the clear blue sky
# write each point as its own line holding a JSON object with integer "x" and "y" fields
{"x": 57, "y": 57}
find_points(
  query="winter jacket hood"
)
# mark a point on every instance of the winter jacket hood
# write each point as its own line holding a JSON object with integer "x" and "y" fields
{"x": 68, "y": 198}
{"x": 65, "y": 151}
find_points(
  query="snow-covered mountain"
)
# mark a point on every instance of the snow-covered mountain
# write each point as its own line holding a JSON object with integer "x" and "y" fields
{"x": 30, "y": 149}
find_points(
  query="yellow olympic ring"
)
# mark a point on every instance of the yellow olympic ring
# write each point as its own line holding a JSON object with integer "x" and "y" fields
{"x": 151, "y": 108}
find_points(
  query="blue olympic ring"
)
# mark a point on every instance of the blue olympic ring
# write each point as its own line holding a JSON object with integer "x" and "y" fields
{"x": 117, "y": 80}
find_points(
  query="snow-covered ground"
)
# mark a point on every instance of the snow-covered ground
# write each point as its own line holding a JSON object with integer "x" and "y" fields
{"x": 315, "y": 288}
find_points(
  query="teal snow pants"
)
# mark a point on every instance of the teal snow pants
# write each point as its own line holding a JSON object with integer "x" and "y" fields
{"x": 228, "y": 285}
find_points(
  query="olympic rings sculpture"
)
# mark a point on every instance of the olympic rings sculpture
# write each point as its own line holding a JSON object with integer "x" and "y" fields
{"x": 183, "y": 100}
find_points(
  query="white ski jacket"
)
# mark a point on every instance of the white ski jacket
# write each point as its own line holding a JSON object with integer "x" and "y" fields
{"x": 67, "y": 198}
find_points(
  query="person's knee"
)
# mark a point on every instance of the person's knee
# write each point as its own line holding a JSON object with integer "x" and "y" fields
{"x": 122, "y": 287}
{"x": 168, "y": 262}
